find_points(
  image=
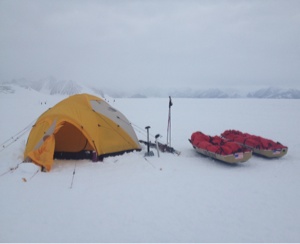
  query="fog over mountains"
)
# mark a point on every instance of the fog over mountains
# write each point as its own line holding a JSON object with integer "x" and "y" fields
{"x": 53, "y": 86}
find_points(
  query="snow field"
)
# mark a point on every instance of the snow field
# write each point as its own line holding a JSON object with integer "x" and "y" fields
{"x": 186, "y": 198}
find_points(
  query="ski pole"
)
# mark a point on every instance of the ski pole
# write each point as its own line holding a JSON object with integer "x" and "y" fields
{"x": 169, "y": 123}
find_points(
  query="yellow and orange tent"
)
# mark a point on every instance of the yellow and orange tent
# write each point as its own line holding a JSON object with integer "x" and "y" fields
{"x": 79, "y": 123}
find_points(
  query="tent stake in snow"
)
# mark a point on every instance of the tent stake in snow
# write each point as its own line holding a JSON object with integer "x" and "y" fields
{"x": 169, "y": 123}
{"x": 74, "y": 171}
{"x": 148, "y": 153}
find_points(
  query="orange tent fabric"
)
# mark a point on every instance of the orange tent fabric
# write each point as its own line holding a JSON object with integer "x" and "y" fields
{"x": 81, "y": 122}
{"x": 43, "y": 156}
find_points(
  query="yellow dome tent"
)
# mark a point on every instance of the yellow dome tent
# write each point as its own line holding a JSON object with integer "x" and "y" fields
{"x": 79, "y": 123}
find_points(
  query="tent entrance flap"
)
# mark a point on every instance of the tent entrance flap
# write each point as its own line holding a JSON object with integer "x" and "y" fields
{"x": 70, "y": 139}
{"x": 43, "y": 156}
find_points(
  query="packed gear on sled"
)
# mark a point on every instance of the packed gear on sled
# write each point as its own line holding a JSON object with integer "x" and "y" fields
{"x": 259, "y": 145}
{"x": 218, "y": 148}
{"x": 80, "y": 126}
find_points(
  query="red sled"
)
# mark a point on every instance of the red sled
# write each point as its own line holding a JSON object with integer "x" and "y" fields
{"x": 219, "y": 148}
{"x": 259, "y": 145}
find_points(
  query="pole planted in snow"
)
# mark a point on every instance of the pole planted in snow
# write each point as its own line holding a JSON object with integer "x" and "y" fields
{"x": 148, "y": 153}
{"x": 169, "y": 123}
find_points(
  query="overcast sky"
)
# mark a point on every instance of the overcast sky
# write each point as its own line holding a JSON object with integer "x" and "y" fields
{"x": 127, "y": 44}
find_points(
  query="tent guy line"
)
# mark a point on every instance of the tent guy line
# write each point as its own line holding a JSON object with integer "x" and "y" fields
{"x": 16, "y": 137}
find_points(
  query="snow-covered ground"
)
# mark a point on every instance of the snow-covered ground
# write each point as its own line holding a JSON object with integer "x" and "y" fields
{"x": 186, "y": 198}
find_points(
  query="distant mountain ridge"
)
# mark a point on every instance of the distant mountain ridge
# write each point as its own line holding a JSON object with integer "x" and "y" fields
{"x": 53, "y": 86}
{"x": 208, "y": 93}
{"x": 273, "y": 92}
{"x": 50, "y": 86}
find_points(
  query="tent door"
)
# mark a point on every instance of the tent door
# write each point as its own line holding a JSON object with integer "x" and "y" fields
{"x": 70, "y": 143}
